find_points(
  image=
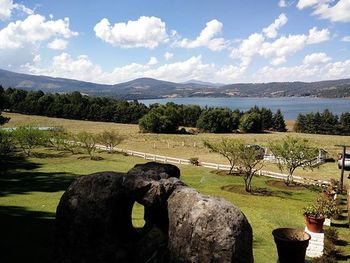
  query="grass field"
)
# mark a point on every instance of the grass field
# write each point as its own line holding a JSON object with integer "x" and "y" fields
{"x": 187, "y": 146}
{"x": 30, "y": 190}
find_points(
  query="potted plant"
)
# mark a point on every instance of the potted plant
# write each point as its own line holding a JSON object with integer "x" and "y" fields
{"x": 316, "y": 213}
{"x": 331, "y": 190}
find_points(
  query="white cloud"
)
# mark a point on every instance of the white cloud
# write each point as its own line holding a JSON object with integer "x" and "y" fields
{"x": 278, "y": 50}
{"x": 271, "y": 30}
{"x": 282, "y": 3}
{"x": 33, "y": 30}
{"x": 82, "y": 68}
{"x": 325, "y": 9}
{"x": 6, "y": 7}
{"x": 37, "y": 59}
{"x": 346, "y": 39}
{"x": 168, "y": 56}
{"x": 306, "y": 3}
{"x": 317, "y": 36}
{"x": 58, "y": 44}
{"x": 316, "y": 58}
{"x": 304, "y": 72}
{"x": 146, "y": 32}
{"x": 152, "y": 61}
{"x": 206, "y": 38}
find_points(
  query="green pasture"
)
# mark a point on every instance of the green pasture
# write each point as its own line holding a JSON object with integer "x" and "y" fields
{"x": 30, "y": 190}
{"x": 188, "y": 146}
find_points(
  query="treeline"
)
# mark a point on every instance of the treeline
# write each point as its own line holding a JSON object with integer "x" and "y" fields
{"x": 155, "y": 118}
{"x": 167, "y": 119}
{"x": 72, "y": 106}
{"x": 323, "y": 123}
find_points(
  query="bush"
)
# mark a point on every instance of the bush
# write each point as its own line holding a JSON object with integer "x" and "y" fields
{"x": 194, "y": 161}
{"x": 7, "y": 144}
{"x": 218, "y": 120}
{"x": 250, "y": 122}
{"x": 30, "y": 137}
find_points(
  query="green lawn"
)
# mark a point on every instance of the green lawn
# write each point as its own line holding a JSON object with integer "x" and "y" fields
{"x": 30, "y": 190}
{"x": 187, "y": 146}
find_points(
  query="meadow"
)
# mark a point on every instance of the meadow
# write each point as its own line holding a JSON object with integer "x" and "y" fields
{"x": 188, "y": 146}
{"x": 30, "y": 188}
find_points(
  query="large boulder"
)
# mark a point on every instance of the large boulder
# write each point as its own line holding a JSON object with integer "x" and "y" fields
{"x": 207, "y": 229}
{"x": 93, "y": 221}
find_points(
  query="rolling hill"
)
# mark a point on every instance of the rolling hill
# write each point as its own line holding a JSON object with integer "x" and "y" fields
{"x": 144, "y": 88}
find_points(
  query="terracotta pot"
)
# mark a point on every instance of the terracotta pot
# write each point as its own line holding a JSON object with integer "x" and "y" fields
{"x": 291, "y": 244}
{"x": 314, "y": 224}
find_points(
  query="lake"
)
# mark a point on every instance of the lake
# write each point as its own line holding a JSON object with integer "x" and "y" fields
{"x": 290, "y": 106}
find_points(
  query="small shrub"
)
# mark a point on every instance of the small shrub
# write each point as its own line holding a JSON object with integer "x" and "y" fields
{"x": 194, "y": 161}
{"x": 7, "y": 145}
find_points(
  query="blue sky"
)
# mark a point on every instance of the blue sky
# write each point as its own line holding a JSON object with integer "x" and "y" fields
{"x": 219, "y": 41}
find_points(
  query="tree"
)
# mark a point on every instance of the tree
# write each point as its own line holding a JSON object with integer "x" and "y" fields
{"x": 278, "y": 123}
{"x": 218, "y": 120}
{"x": 3, "y": 119}
{"x": 345, "y": 122}
{"x": 29, "y": 137}
{"x": 291, "y": 153}
{"x": 88, "y": 142}
{"x": 7, "y": 145}
{"x": 229, "y": 148}
{"x": 250, "y": 122}
{"x": 109, "y": 139}
{"x": 161, "y": 119}
{"x": 250, "y": 162}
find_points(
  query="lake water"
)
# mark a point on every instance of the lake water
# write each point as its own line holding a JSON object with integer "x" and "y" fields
{"x": 290, "y": 106}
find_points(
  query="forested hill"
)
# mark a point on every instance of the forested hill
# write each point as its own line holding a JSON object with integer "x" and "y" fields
{"x": 144, "y": 88}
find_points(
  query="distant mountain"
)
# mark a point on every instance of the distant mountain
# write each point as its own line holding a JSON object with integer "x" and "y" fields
{"x": 144, "y": 88}
{"x": 203, "y": 83}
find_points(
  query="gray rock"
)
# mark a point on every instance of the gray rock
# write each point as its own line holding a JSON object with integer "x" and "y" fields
{"x": 207, "y": 229}
{"x": 93, "y": 221}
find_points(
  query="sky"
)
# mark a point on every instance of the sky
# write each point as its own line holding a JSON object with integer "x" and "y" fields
{"x": 221, "y": 41}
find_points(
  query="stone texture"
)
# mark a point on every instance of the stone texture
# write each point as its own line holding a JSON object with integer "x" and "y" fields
{"x": 207, "y": 229}
{"x": 93, "y": 221}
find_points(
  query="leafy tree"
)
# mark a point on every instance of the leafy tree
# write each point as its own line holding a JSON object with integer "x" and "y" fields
{"x": 218, "y": 120}
{"x": 29, "y": 137}
{"x": 250, "y": 122}
{"x": 250, "y": 162}
{"x": 110, "y": 139}
{"x": 345, "y": 122}
{"x": 88, "y": 141}
{"x": 162, "y": 119}
{"x": 266, "y": 118}
{"x": 291, "y": 153}
{"x": 329, "y": 122}
{"x": 300, "y": 123}
{"x": 229, "y": 148}
{"x": 58, "y": 138}
{"x": 278, "y": 123}
{"x": 7, "y": 144}
{"x": 190, "y": 115}
{"x": 3, "y": 100}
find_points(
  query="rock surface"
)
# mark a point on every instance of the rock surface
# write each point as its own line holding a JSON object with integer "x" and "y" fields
{"x": 93, "y": 221}
{"x": 207, "y": 229}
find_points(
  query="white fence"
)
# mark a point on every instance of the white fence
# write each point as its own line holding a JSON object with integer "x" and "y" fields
{"x": 217, "y": 166}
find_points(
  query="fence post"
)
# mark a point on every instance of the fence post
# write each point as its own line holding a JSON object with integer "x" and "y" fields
{"x": 349, "y": 205}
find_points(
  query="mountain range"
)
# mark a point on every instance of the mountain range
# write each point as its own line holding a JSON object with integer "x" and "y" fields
{"x": 144, "y": 88}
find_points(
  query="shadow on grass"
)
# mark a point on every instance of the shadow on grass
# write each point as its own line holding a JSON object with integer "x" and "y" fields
{"x": 17, "y": 176}
{"x": 26, "y": 236}
{"x": 14, "y": 162}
